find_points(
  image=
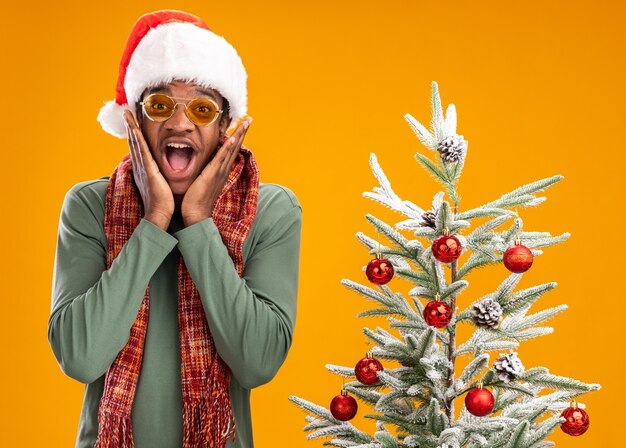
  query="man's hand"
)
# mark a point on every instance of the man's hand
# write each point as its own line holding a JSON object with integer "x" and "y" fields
{"x": 156, "y": 194}
{"x": 201, "y": 195}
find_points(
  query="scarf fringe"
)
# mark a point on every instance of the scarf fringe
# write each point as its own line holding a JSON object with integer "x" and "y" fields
{"x": 114, "y": 431}
{"x": 214, "y": 432}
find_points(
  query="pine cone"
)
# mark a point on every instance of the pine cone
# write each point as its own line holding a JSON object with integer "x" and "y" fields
{"x": 508, "y": 366}
{"x": 487, "y": 313}
{"x": 404, "y": 405}
{"x": 429, "y": 219}
{"x": 452, "y": 148}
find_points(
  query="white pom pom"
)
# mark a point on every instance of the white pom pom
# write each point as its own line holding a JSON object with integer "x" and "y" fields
{"x": 111, "y": 118}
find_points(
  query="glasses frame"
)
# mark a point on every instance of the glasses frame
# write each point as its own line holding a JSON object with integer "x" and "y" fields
{"x": 186, "y": 104}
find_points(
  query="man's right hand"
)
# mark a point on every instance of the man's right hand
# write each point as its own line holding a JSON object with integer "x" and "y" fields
{"x": 157, "y": 196}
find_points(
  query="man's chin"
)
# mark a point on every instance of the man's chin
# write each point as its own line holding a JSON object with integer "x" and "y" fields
{"x": 179, "y": 187}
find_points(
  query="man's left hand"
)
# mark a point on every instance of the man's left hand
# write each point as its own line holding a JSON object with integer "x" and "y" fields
{"x": 201, "y": 195}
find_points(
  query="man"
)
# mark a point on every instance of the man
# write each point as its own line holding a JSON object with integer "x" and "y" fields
{"x": 175, "y": 278}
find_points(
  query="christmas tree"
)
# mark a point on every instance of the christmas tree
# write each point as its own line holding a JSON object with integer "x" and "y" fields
{"x": 504, "y": 402}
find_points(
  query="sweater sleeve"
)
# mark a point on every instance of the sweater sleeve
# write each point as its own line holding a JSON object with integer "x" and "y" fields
{"x": 251, "y": 318}
{"x": 93, "y": 309}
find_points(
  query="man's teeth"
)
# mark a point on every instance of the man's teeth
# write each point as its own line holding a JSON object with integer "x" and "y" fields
{"x": 178, "y": 145}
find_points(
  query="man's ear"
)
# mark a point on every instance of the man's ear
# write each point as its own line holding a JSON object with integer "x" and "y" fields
{"x": 224, "y": 124}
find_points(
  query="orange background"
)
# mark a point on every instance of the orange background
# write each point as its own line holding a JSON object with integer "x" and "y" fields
{"x": 539, "y": 90}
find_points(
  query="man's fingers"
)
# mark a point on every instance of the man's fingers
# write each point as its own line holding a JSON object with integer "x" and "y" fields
{"x": 139, "y": 149}
{"x": 130, "y": 118}
{"x": 133, "y": 143}
{"x": 142, "y": 153}
{"x": 232, "y": 145}
{"x": 131, "y": 147}
{"x": 134, "y": 130}
{"x": 243, "y": 130}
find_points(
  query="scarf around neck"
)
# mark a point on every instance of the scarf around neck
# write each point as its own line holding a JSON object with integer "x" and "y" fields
{"x": 208, "y": 419}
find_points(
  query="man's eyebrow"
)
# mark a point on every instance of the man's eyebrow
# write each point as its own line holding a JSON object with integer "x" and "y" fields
{"x": 160, "y": 88}
{"x": 205, "y": 92}
{"x": 164, "y": 88}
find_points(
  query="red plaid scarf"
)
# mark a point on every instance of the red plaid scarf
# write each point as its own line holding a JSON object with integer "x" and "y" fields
{"x": 208, "y": 419}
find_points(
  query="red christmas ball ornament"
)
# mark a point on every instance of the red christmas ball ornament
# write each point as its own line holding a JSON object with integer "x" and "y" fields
{"x": 379, "y": 270}
{"x": 518, "y": 258}
{"x": 365, "y": 370}
{"x": 343, "y": 407}
{"x": 446, "y": 248}
{"x": 576, "y": 420}
{"x": 437, "y": 313}
{"x": 479, "y": 401}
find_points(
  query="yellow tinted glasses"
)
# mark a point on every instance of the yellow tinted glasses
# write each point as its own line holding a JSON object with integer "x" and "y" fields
{"x": 201, "y": 111}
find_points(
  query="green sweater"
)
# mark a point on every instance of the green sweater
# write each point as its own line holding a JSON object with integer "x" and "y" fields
{"x": 251, "y": 318}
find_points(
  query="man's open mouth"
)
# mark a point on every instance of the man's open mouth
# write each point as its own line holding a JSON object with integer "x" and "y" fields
{"x": 179, "y": 156}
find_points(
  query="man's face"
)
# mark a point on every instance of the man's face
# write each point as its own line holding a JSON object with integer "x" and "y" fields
{"x": 179, "y": 130}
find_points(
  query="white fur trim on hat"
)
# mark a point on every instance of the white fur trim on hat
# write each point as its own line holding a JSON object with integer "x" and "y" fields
{"x": 111, "y": 117}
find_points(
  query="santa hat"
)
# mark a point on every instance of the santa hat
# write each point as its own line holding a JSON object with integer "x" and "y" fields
{"x": 167, "y": 45}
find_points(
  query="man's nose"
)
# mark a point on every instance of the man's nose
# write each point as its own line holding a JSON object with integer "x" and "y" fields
{"x": 179, "y": 121}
